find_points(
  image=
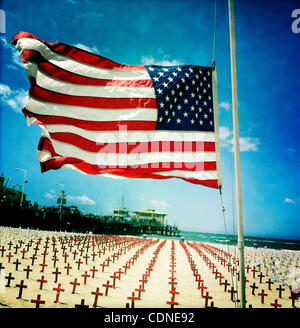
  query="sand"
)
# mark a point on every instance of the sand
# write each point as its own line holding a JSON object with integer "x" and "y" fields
{"x": 159, "y": 273}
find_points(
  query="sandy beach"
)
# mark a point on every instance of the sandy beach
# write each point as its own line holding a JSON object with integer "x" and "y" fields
{"x": 63, "y": 270}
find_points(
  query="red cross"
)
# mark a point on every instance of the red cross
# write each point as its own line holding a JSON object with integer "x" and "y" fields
{"x": 93, "y": 270}
{"x": 85, "y": 276}
{"x": 96, "y": 293}
{"x": 42, "y": 281}
{"x": 262, "y": 294}
{"x": 58, "y": 290}
{"x": 79, "y": 262}
{"x": 133, "y": 298}
{"x": 202, "y": 287}
{"x": 140, "y": 289}
{"x": 9, "y": 256}
{"x": 107, "y": 287}
{"x": 38, "y": 301}
{"x": 276, "y": 304}
{"x": 75, "y": 284}
{"x": 68, "y": 267}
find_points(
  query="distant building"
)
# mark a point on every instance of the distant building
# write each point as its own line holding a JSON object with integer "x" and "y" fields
{"x": 150, "y": 217}
{"x": 121, "y": 213}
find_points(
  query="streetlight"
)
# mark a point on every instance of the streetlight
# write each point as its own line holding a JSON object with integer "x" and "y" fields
{"x": 25, "y": 172}
{"x": 61, "y": 199}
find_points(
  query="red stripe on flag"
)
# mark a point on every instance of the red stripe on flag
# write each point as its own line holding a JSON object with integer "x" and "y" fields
{"x": 92, "y": 169}
{"x": 46, "y": 145}
{"x": 91, "y": 102}
{"x": 63, "y": 75}
{"x": 80, "y": 55}
{"x": 132, "y": 147}
{"x": 94, "y": 125}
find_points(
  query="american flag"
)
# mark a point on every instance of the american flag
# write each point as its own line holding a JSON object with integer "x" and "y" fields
{"x": 125, "y": 121}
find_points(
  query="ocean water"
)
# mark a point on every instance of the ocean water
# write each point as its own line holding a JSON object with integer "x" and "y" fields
{"x": 261, "y": 242}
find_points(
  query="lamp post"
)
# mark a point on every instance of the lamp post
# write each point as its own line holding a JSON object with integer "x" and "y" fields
{"x": 23, "y": 188}
{"x": 61, "y": 199}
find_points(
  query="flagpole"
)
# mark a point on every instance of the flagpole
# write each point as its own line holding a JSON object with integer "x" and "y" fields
{"x": 235, "y": 115}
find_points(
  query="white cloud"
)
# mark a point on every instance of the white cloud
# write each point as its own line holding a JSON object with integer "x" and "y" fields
{"x": 83, "y": 200}
{"x": 160, "y": 203}
{"x": 92, "y": 49}
{"x": 15, "y": 55}
{"x": 164, "y": 62}
{"x": 49, "y": 195}
{"x": 225, "y": 105}
{"x": 289, "y": 200}
{"x": 249, "y": 144}
{"x": 246, "y": 143}
{"x": 15, "y": 99}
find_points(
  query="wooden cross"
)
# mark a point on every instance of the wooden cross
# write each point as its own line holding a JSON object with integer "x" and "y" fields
{"x": 207, "y": 297}
{"x": 9, "y": 244}
{"x": 54, "y": 259}
{"x": 33, "y": 258}
{"x": 86, "y": 259}
{"x": 68, "y": 267}
{"x": 75, "y": 284}
{"x": 253, "y": 286}
{"x": 226, "y": 283}
{"x": 27, "y": 271}
{"x": 85, "y": 276}
{"x": 260, "y": 277}
{"x": 2, "y": 250}
{"x": 9, "y": 278}
{"x": 262, "y": 294}
{"x": 139, "y": 290}
{"x": 79, "y": 262}
{"x": 65, "y": 257}
{"x": 74, "y": 253}
{"x": 293, "y": 297}
{"x": 96, "y": 293}
{"x": 254, "y": 271}
{"x": 81, "y": 305}
{"x": 56, "y": 272}
{"x": 93, "y": 270}
{"x": 202, "y": 287}
{"x": 232, "y": 292}
{"x": 103, "y": 265}
{"x": 43, "y": 265}
{"x": 21, "y": 286}
{"x": 172, "y": 302}
{"x": 42, "y": 281}
{"x": 16, "y": 249}
{"x": 133, "y": 298}
{"x": 58, "y": 290}
{"x": 107, "y": 287}
{"x": 276, "y": 304}
{"x": 38, "y": 301}
{"x": 9, "y": 255}
{"x": 269, "y": 282}
{"x": 280, "y": 289}
{"x": 17, "y": 263}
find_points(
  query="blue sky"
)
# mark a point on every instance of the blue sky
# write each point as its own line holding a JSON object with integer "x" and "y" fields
{"x": 174, "y": 32}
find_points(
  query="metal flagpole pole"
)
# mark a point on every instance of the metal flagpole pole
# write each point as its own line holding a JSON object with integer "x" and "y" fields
{"x": 237, "y": 152}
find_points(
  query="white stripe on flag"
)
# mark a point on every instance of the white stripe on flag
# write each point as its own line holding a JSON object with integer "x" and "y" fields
{"x": 71, "y": 89}
{"x": 115, "y": 159}
{"x": 134, "y": 136}
{"x": 78, "y": 68}
{"x": 91, "y": 114}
